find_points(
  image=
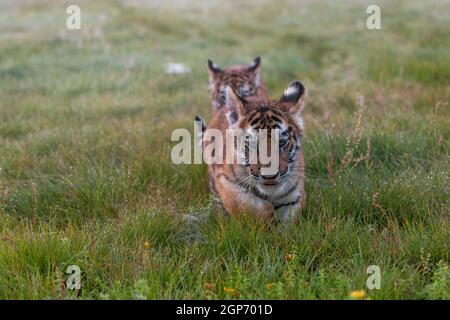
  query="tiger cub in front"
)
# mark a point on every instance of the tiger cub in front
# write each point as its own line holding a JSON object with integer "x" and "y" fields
{"x": 245, "y": 79}
{"x": 243, "y": 187}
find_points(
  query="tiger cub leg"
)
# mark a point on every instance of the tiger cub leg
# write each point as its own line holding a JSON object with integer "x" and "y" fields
{"x": 288, "y": 213}
{"x": 290, "y": 207}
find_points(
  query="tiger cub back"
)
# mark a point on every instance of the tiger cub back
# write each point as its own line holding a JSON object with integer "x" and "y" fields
{"x": 245, "y": 79}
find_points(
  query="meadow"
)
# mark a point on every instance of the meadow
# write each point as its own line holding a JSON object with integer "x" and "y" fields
{"x": 85, "y": 172}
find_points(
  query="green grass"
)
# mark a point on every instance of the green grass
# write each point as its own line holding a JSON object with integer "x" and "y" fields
{"x": 85, "y": 171}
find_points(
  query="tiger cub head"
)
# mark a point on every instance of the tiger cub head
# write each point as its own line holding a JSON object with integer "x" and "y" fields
{"x": 245, "y": 79}
{"x": 284, "y": 116}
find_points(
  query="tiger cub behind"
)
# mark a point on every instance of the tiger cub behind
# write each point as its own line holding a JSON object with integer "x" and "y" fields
{"x": 245, "y": 79}
{"x": 243, "y": 187}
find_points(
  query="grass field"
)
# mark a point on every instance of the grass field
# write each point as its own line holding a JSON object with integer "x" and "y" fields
{"x": 85, "y": 171}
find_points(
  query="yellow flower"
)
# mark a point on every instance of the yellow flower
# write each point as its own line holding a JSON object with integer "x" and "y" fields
{"x": 289, "y": 256}
{"x": 228, "y": 290}
{"x": 233, "y": 292}
{"x": 147, "y": 245}
{"x": 358, "y": 294}
{"x": 269, "y": 286}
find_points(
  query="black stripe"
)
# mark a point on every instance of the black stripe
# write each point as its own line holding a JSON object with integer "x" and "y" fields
{"x": 278, "y": 206}
{"x": 254, "y": 121}
{"x": 276, "y": 119}
{"x": 294, "y": 186}
{"x": 262, "y": 109}
{"x": 277, "y": 113}
{"x": 258, "y": 194}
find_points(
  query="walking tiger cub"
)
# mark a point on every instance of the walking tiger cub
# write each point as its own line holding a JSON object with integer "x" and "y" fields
{"x": 244, "y": 187}
{"x": 244, "y": 79}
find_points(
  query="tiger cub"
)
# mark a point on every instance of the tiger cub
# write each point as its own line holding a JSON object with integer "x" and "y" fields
{"x": 243, "y": 187}
{"x": 244, "y": 79}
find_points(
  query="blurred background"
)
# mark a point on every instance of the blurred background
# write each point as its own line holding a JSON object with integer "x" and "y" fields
{"x": 85, "y": 123}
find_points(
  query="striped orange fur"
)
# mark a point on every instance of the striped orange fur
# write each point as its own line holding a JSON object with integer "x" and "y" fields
{"x": 244, "y": 79}
{"x": 242, "y": 187}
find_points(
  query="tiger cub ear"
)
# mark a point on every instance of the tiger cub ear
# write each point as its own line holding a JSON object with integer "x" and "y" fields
{"x": 201, "y": 123}
{"x": 254, "y": 68}
{"x": 202, "y": 128}
{"x": 255, "y": 64}
{"x": 293, "y": 97}
{"x": 235, "y": 105}
{"x": 213, "y": 70}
